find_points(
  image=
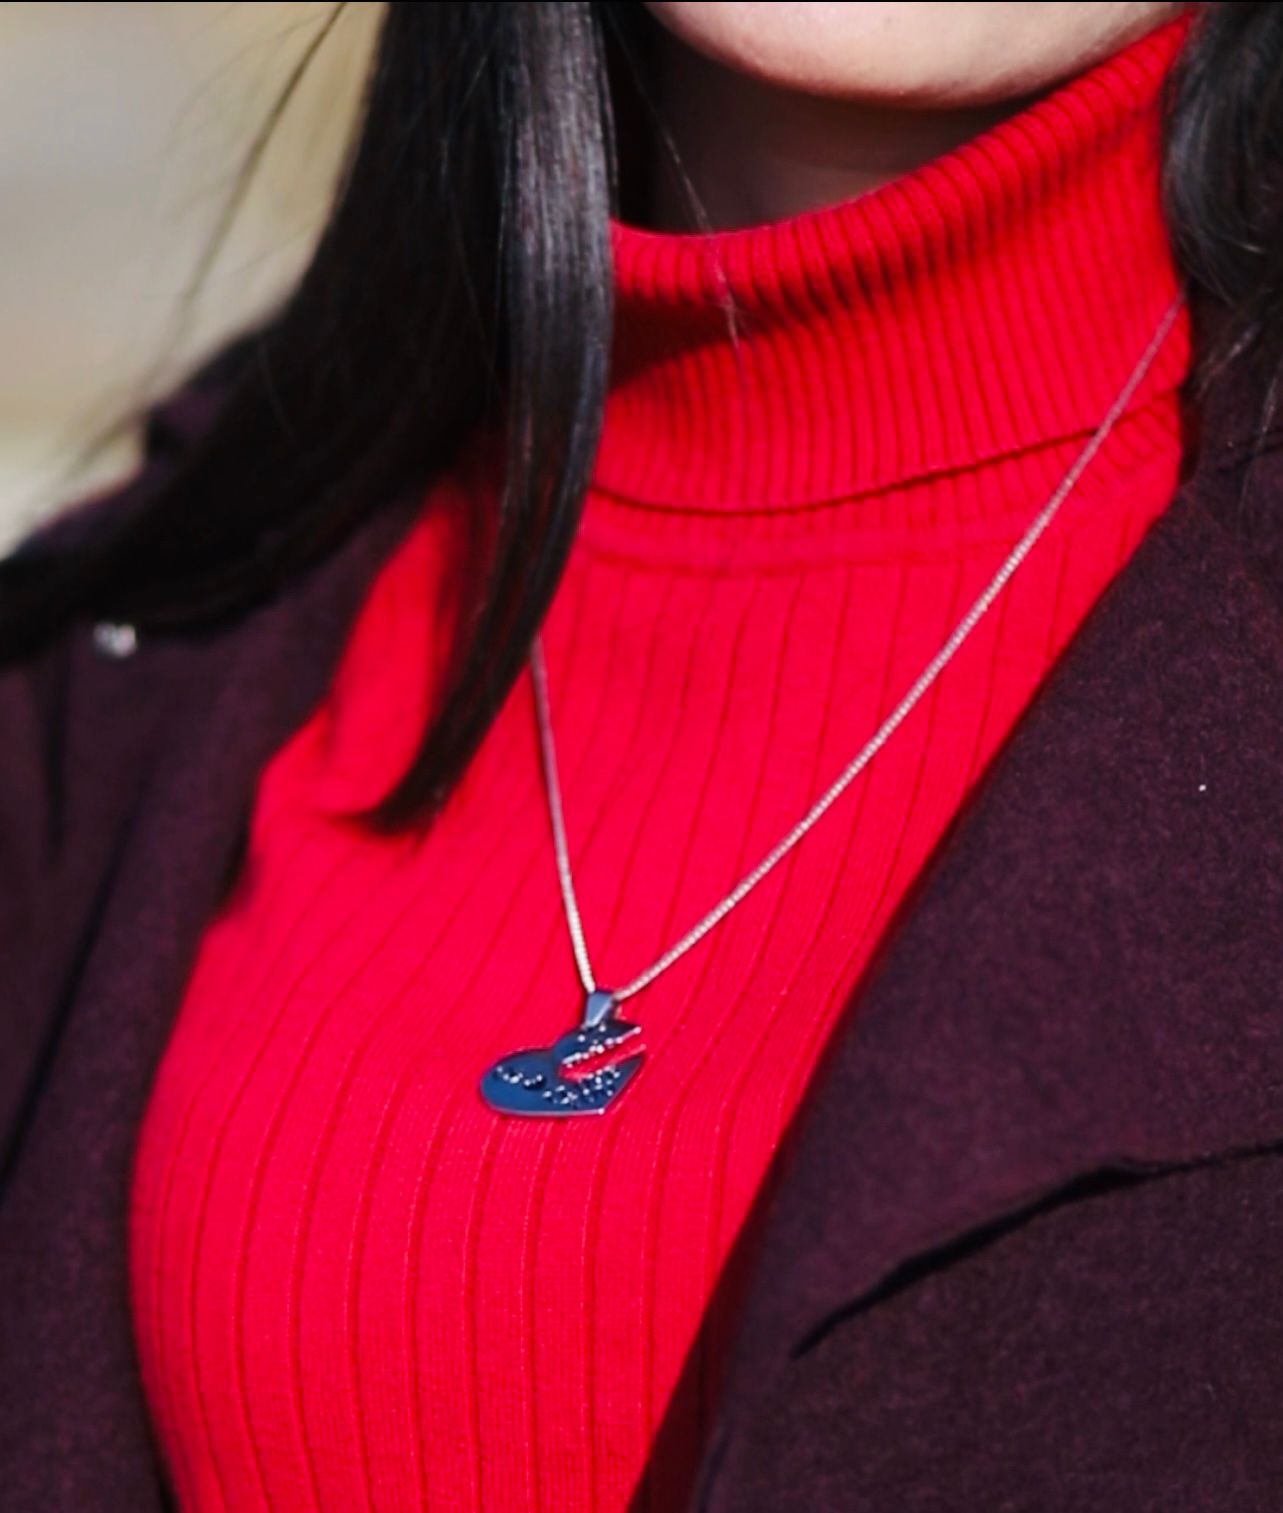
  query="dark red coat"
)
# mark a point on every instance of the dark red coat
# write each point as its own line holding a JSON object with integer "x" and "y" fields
{"x": 1024, "y": 1249}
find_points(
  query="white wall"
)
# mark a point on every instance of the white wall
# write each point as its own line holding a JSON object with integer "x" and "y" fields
{"x": 122, "y": 127}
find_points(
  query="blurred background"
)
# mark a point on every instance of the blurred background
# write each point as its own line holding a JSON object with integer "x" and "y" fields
{"x": 123, "y": 132}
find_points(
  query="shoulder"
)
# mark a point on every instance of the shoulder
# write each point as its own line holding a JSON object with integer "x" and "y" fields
{"x": 46, "y": 697}
{"x": 168, "y": 430}
{"x": 40, "y": 692}
{"x": 99, "y": 711}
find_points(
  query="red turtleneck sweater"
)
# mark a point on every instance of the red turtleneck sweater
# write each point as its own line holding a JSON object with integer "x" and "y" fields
{"x": 356, "y": 1286}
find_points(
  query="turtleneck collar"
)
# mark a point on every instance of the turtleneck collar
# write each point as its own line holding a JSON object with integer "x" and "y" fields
{"x": 993, "y": 299}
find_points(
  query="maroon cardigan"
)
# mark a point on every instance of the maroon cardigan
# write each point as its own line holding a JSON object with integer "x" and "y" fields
{"x": 1023, "y": 1248}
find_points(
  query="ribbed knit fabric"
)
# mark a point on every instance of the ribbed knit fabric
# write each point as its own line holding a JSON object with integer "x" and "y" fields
{"x": 354, "y": 1285}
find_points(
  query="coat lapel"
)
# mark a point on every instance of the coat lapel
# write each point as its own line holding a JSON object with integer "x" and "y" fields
{"x": 1086, "y": 977}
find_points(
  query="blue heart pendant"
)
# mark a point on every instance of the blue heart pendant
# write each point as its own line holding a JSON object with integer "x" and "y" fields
{"x": 534, "y": 1082}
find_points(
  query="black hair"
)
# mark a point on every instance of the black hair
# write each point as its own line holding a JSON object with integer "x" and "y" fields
{"x": 464, "y": 277}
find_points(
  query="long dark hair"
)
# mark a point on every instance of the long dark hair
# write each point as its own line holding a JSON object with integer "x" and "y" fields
{"x": 464, "y": 276}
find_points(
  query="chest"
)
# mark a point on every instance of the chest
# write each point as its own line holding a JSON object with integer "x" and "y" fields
{"x": 345, "y": 1269}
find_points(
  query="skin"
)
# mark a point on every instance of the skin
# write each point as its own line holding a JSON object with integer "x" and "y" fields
{"x": 778, "y": 108}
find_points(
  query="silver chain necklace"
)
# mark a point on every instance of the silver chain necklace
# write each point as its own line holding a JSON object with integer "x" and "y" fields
{"x": 580, "y": 1073}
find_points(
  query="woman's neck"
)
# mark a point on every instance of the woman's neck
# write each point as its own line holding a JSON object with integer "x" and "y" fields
{"x": 988, "y": 302}
{"x": 756, "y": 151}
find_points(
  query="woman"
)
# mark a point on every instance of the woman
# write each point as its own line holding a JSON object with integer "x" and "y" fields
{"x": 878, "y": 841}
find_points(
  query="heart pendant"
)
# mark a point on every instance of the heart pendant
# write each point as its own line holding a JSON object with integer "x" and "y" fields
{"x": 532, "y": 1082}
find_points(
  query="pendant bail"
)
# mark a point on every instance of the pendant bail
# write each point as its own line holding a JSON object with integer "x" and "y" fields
{"x": 598, "y": 1005}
